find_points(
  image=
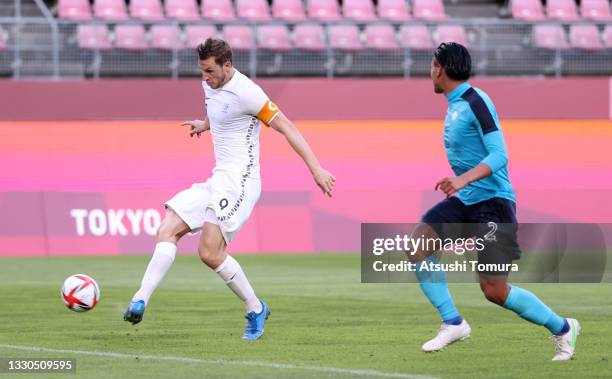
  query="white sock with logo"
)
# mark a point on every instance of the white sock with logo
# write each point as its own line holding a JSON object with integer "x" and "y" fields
{"x": 232, "y": 274}
{"x": 160, "y": 263}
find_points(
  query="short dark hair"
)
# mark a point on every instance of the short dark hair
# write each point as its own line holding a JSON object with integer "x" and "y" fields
{"x": 216, "y": 48}
{"x": 455, "y": 59}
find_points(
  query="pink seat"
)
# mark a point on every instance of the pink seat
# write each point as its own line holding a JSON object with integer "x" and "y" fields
{"x": 415, "y": 37}
{"x": 239, "y": 37}
{"x": 74, "y": 9}
{"x": 395, "y": 10}
{"x": 182, "y": 9}
{"x": 450, "y": 33}
{"x": 2, "y": 42}
{"x": 585, "y": 37}
{"x": 253, "y": 9}
{"x": 550, "y": 37}
{"x": 166, "y": 37}
{"x": 344, "y": 37}
{"x": 530, "y": 10}
{"x": 110, "y": 9}
{"x": 428, "y": 10}
{"x": 324, "y": 10}
{"x": 95, "y": 37}
{"x": 197, "y": 34}
{"x": 607, "y": 37}
{"x": 380, "y": 37}
{"x": 292, "y": 10}
{"x": 218, "y": 9}
{"x": 130, "y": 37}
{"x": 595, "y": 10}
{"x": 310, "y": 37}
{"x": 274, "y": 37}
{"x": 362, "y": 10}
{"x": 562, "y": 10}
{"x": 146, "y": 9}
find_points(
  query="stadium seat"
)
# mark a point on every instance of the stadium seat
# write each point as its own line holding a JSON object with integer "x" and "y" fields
{"x": 595, "y": 10}
{"x": 550, "y": 37}
{"x": 110, "y": 9}
{"x": 310, "y": 37}
{"x": 197, "y": 34}
{"x": 394, "y": 10}
{"x": 94, "y": 37}
{"x": 146, "y": 9}
{"x": 2, "y": 41}
{"x": 182, "y": 9}
{"x": 450, "y": 33}
{"x": 564, "y": 10}
{"x": 274, "y": 37}
{"x": 380, "y": 37}
{"x": 361, "y": 10}
{"x": 607, "y": 37}
{"x": 428, "y": 10}
{"x": 415, "y": 36}
{"x": 166, "y": 37}
{"x": 74, "y": 9}
{"x": 240, "y": 37}
{"x": 324, "y": 10}
{"x": 130, "y": 37}
{"x": 291, "y": 10}
{"x": 344, "y": 37}
{"x": 218, "y": 9}
{"x": 529, "y": 10}
{"x": 585, "y": 37}
{"x": 253, "y": 9}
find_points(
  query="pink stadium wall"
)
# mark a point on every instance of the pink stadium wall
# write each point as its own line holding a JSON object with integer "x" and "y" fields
{"x": 97, "y": 187}
{"x": 301, "y": 99}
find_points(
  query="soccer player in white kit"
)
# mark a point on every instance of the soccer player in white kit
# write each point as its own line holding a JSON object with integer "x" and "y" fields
{"x": 219, "y": 207}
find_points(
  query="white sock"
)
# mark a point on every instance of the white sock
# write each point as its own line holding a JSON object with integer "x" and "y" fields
{"x": 232, "y": 274}
{"x": 160, "y": 263}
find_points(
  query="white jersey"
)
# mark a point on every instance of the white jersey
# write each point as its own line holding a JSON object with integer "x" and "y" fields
{"x": 234, "y": 112}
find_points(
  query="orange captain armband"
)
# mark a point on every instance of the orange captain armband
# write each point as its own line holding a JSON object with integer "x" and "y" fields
{"x": 268, "y": 112}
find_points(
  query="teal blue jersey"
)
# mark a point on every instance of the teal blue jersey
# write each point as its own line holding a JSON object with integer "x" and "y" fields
{"x": 472, "y": 135}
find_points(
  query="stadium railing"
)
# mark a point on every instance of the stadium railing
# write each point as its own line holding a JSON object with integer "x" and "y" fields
{"x": 46, "y": 46}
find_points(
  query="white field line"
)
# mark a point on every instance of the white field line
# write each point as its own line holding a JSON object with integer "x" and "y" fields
{"x": 222, "y": 362}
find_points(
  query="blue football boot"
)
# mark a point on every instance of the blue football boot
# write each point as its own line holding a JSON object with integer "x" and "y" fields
{"x": 255, "y": 323}
{"x": 134, "y": 312}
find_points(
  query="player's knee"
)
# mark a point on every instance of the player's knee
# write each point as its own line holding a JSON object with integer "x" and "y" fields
{"x": 424, "y": 232}
{"x": 209, "y": 254}
{"x": 168, "y": 231}
{"x": 494, "y": 293}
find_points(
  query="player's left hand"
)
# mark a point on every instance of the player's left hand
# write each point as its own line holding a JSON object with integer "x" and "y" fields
{"x": 325, "y": 180}
{"x": 450, "y": 186}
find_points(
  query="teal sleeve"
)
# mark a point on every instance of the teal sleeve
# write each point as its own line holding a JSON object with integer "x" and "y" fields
{"x": 497, "y": 157}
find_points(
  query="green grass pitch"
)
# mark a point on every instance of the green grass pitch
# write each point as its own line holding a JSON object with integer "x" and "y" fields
{"x": 324, "y": 323}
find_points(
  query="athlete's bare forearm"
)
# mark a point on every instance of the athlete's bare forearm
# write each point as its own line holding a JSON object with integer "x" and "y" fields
{"x": 323, "y": 178}
{"x": 296, "y": 140}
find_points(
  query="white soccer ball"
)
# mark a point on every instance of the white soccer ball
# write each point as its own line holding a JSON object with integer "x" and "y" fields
{"x": 80, "y": 293}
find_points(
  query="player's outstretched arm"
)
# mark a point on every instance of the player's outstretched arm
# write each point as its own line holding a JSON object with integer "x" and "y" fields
{"x": 324, "y": 179}
{"x": 197, "y": 127}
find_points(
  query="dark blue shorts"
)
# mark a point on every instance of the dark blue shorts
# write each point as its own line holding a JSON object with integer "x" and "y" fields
{"x": 451, "y": 218}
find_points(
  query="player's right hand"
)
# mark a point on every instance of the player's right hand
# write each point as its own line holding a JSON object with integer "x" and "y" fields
{"x": 197, "y": 127}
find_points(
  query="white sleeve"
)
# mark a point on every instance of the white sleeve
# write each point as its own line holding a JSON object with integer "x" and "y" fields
{"x": 254, "y": 99}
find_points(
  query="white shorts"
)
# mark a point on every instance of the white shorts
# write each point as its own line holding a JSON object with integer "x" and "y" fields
{"x": 225, "y": 199}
